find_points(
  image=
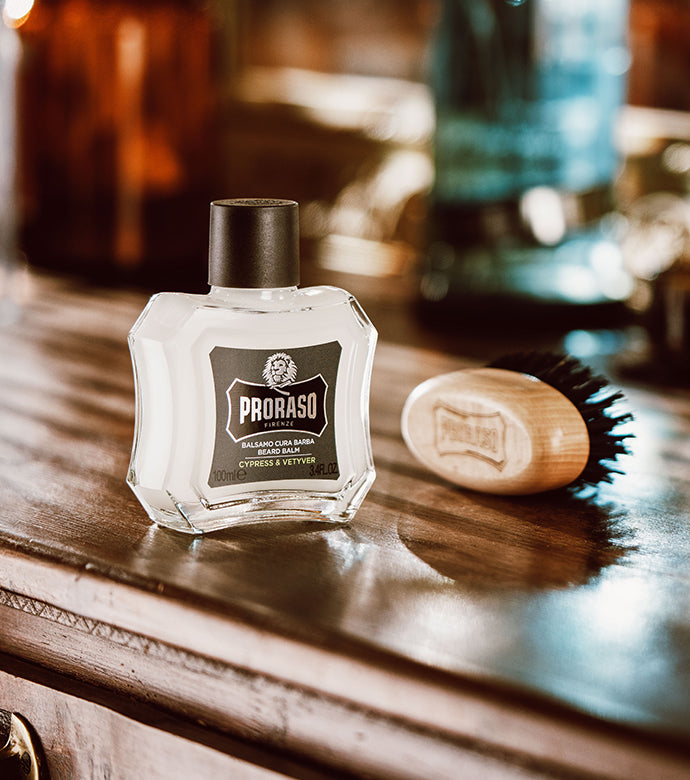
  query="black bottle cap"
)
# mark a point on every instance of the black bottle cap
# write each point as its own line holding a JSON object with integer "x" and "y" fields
{"x": 253, "y": 242}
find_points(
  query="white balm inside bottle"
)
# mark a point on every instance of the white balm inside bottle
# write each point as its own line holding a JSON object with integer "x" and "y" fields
{"x": 252, "y": 401}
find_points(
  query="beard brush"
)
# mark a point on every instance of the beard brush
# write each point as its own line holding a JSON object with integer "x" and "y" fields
{"x": 526, "y": 423}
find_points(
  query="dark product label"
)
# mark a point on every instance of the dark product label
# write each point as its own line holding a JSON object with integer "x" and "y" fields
{"x": 274, "y": 414}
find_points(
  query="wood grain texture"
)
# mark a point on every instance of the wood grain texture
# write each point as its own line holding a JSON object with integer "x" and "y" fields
{"x": 548, "y": 633}
{"x": 84, "y": 740}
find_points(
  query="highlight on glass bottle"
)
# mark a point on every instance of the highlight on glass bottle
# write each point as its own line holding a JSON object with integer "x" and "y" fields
{"x": 252, "y": 401}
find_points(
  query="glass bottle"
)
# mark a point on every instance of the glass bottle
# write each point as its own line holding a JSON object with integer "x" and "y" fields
{"x": 252, "y": 400}
{"x": 522, "y": 220}
{"x": 120, "y": 124}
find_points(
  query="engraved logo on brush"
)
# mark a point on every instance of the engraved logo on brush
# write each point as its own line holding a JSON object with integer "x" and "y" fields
{"x": 282, "y": 404}
{"x": 470, "y": 433}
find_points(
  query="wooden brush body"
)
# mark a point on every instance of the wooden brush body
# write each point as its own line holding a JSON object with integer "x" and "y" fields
{"x": 497, "y": 431}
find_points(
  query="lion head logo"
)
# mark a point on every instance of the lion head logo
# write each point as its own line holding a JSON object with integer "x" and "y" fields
{"x": 280, "y": 370}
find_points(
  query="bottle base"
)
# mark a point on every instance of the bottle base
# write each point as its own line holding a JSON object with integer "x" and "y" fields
{"x": 260, "y": 507}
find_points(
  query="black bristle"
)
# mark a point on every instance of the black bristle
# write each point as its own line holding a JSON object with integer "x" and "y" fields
{"x": 593, "y": 398}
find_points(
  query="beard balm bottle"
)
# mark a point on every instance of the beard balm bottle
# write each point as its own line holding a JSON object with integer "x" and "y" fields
{"x": 252, "y": 401}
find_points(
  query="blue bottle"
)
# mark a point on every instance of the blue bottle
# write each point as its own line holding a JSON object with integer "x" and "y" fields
{"x": 527, "y": 98}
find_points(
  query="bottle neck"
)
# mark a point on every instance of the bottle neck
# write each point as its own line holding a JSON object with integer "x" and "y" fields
{"x": 229, "y": 294}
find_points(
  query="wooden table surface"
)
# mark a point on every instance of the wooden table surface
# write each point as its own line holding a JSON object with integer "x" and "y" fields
{"x": 529, "y": 637}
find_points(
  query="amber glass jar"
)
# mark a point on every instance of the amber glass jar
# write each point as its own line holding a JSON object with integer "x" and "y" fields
{"x": 119, "y": 126}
